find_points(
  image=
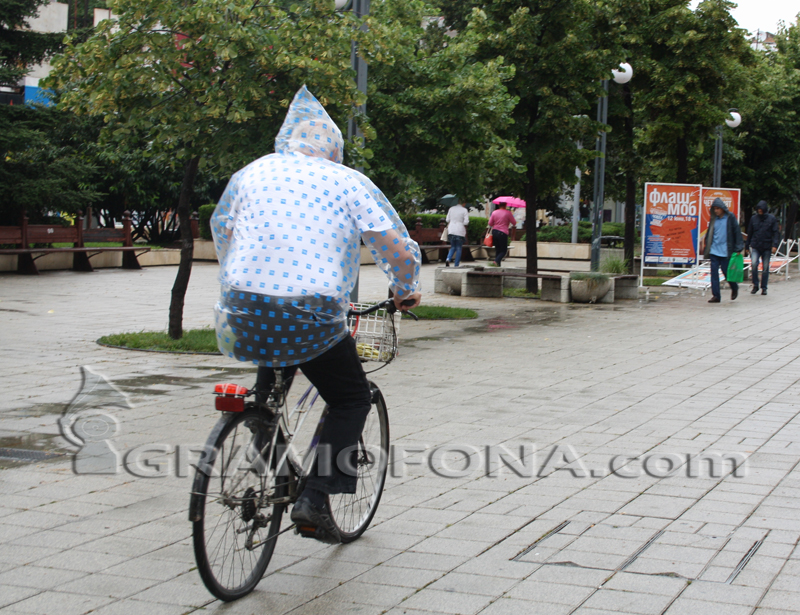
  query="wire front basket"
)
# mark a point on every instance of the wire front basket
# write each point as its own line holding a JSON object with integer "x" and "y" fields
{"x": 375, "y": 334}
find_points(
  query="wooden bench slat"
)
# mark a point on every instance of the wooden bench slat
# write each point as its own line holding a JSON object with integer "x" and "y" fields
{"x": 103, "y": 234}
{"x": 52, "y": 234}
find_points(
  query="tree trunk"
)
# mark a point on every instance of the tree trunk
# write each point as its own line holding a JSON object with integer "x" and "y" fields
{"x": 531, "y": 200}
{"x": 683, "y": 160}
{"x": 187, "y": 251}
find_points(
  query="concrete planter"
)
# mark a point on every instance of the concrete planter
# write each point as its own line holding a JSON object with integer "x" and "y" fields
{"x": 590, "y": 291}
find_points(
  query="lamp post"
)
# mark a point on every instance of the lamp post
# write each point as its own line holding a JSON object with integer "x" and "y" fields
{"x": 621, "y": 76}
{"x": 733, "y": 121}
{"x": 361, "y": 9}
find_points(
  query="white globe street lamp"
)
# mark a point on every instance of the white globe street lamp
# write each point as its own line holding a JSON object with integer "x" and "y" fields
{"x": 624, "y": 74}
{"x": 734, "y": 120}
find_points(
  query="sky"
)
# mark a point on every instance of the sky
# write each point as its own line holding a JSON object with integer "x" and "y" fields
{"x": 762, "y": 15}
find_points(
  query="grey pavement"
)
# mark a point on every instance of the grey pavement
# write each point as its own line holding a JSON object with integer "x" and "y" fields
{"x": 558, "y": 392}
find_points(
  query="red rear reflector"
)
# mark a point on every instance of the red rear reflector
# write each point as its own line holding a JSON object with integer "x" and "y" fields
{"x": 230, "y": 397}
{"x": 229, "y": 404}
{"x": 229, "y": 388}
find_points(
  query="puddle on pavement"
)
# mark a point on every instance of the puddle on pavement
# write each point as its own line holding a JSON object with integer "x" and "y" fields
{"x": 148, "y": 384}
{"x": 138, "y": 386}
{"x": 35, "y": 410}
{"x": 19, "y": 450}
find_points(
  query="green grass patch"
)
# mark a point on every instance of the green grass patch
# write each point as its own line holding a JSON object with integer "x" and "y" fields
{"x": 438, "y": 312}
{"x": 521, "y": 293}
{"x": 193, "y": 340}
{"x": 655, "y": 281}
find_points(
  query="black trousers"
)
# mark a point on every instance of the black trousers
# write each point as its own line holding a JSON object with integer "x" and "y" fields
{"x": 340, "y": 379}
{"x": 500, "y": 240}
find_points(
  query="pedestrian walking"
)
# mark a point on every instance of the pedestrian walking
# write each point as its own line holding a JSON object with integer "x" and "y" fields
{"x": 763, "y": 239}
{"x": 501, "y": 222}
{"x": 723, "y": 238}
{"x": 457, "y": 223}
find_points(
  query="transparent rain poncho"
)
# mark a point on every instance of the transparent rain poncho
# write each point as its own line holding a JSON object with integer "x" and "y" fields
{"x": 287, "y": 233}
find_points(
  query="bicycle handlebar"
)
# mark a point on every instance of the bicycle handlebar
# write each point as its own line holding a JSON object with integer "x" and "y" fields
{"x": 387, "y": 304}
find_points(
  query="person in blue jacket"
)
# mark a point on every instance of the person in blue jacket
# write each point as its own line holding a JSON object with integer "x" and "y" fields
{"x": 723, "y": 238}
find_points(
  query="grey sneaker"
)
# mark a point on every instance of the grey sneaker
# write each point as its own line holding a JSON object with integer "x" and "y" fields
{"x": 313, "y": 522}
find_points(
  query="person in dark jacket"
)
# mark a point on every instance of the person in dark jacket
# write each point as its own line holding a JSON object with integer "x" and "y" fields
{"x": 763, "y": 239}
{"x": 724, "y": 237}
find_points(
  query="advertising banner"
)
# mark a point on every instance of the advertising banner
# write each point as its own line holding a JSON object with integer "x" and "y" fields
{"x": 671, "y": 220}
{"x": 729, "y": 196}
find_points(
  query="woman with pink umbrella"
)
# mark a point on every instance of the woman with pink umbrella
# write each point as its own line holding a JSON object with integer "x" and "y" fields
{"x": 500, "y": 223}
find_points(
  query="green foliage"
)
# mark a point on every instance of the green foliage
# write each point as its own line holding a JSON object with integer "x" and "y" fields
{"x": 210, "y": 80}
{"x": 20, "y": 48}
{"x": 615, "y": 265}
{"x": 520, "y": 293}
{"x": 654, "y": 281}
{"x": 476, "y": 229}
{"x": 194, "y": 340}
{"x": 559, "y": 61}
{"x": 43, "y": 168}
{"x": 689, "y": 68}
{"x": 428, "y": 220}
{"x": 563, "y": 233}
{"x": 204, "y": 217}
{"x": 762, "y": 156}
{"x": 437, "y": 109}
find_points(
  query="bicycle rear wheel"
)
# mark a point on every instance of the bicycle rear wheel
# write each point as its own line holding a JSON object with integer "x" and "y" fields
{"x": 235, "y": 524}
{"x": 353, "y": 512}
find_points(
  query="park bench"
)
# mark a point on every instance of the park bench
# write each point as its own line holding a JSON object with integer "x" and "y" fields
{"x": 480, "y": 282}
{"x": 25, "y": 235}
{"x": 429, "y": 239}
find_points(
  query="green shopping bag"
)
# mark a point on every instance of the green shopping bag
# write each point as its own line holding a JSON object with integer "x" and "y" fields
{"x": 735, "y": 269}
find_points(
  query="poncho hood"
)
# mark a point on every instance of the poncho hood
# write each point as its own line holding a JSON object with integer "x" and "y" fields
{"x": 763, "y": 205}
{"x": 309, "y": 130}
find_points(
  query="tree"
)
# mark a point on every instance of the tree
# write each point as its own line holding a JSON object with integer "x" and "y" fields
{"x": 40, "y": 164}
{"x": 20, "y": 48}
{"x": 437, "y": 111}
{"x": 690, "y": 71}
{"x": 558, "y": 63}
{"x": 204, "y": 83}
{"x": 764, "y": 152}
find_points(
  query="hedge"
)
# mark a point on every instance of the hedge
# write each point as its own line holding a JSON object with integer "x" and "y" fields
{"x": 475, "y": 230}
{"x": 204, "y": 218}
{"x": 563, "y": 233}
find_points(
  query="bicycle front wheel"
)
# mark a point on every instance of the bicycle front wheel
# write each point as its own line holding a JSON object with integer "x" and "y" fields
{"x": 235, "y": 520}
{"x": 353, "y": 512}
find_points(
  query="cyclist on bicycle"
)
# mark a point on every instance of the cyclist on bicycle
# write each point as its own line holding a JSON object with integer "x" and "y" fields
{"x": 287, "y": 232}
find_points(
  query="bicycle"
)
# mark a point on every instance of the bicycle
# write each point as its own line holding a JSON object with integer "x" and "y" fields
{"x": 251, "y": 467}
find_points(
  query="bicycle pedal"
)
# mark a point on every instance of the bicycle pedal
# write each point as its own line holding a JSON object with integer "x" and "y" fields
{"x": 317, "y": 533}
